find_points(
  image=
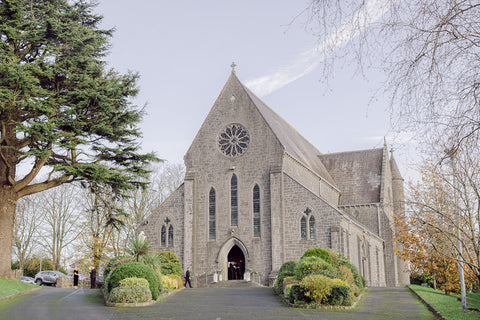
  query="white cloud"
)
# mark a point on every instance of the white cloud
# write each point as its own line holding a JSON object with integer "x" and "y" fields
{"x": 310, "y": 59}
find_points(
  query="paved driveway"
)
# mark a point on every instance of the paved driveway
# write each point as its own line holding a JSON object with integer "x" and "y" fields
{"x": 206, "y": 303}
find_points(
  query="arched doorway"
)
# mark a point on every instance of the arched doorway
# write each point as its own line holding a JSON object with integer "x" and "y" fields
{"x": 235, "y": 250}
{"x": 235, "y": 263}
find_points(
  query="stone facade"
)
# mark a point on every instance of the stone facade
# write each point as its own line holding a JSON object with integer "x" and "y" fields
{"x": 257, "y": 194}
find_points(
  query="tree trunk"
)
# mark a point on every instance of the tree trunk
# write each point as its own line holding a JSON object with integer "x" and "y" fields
{"x": 8, "y": 204}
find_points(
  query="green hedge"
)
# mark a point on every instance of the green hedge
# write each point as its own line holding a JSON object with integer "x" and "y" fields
{"x": 298, "y": 294}
{"x": 133, "y": 281}
{"x": 137, "y": 270}
{"x": 115, "y": 262}
{"x": 312, "y": 265}
{"x": 130, "y": 294}
{"x": 340, "y": 296}
{"x": 319, "y": 253}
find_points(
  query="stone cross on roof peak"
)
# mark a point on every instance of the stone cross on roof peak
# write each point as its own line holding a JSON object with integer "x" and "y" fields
{"x": 233, "y": 65}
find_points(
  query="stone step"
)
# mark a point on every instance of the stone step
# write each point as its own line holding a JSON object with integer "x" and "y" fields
{"x": 232, "y": 284}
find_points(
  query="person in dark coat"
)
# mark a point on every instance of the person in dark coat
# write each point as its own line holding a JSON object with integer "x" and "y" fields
{"x": 75, "y": 278}
{"x": 93, "y": 278}
{"x": 187, "y": 278}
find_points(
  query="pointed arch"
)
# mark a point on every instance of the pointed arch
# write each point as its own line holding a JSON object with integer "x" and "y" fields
{"x": 212, "y": 214}
{"x": 311, "y": 226}
{"x": 256, "y": 211}
{"x": 170, "y": 236}
{"x": 222, "y": 256}
{"x": 163, "y": 237}
{"x": 234, "y": 201}
{"x": 303, "y": 228}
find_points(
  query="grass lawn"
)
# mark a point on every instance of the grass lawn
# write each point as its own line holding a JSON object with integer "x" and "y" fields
{"x": 448, "y": 306}
{"x": 9, "y": 287}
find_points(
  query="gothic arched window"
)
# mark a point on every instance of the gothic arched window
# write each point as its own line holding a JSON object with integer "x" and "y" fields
{"x": 170, "y": 236}
{"x": 303, "y": 228}
{"x": 211, "y": 214}
{"x": 233, "y": 201}
{"x": 256, "y": 211}
{"x": 311, "y": 226}
{"x": 163, "y": 234}
{"x": 163, "y": 237}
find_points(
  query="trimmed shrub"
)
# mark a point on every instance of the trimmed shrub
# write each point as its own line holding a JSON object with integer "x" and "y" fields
{"x": 286, "y": 291}
{"x": 130, "y": 282}
{"x": 289, "y": 280}
{"x": 358, "y": 280}
{"x": 288, "y": 266}
{"x": 340, "y": 295}
{"x": 130, "y": 294}
{"x": 311, "y": 265}
{"x": 286, "y": 270}
{"x": 318, "y": 287}
{"x": 134, "y": 269}
{"x": 279, "y": 281}
{"x": 170, "y": 263}
{"x": 115, "y": 262}
{"x": 331, "y": 275}
{"x": 169, "y": 283}
{"x": 177, "y": 278}
{"x": 319, "y": 253}
{"x": 347, "y": 274}
{"x": 298, "y": 294}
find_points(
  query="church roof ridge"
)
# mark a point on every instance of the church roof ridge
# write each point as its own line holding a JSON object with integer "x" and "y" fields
{"x": 353, "y": 151}
{"x": 294, "y": 143}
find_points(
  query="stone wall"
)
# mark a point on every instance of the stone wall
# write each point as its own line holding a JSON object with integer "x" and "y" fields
{"x": 172, "y": 208}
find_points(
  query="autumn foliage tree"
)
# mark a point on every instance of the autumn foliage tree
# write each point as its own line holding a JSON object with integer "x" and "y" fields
{"x": 64, "y": 116}
{"x": 442, "y": 209}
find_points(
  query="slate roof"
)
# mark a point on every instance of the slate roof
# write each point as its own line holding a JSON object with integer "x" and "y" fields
{"x": 358, "y": 175}
{"x": 293, "y": 142}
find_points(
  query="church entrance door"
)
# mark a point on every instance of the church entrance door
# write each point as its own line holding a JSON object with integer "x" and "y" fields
{"x": 235, "y": 263}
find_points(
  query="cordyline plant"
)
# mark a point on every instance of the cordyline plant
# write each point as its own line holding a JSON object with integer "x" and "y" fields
{"x": 63, "y": 116}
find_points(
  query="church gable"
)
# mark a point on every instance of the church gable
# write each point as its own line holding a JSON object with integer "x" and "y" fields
{"x": 358, "y": 175}
{"x": 232, "y": 118}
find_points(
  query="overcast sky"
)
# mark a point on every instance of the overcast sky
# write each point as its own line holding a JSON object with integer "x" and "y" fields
{"x": 183, "y": 51}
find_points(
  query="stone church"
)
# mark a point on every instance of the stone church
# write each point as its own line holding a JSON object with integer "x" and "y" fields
{"x": 257, "y": 194}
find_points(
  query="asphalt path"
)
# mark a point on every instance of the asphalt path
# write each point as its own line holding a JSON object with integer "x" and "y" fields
{"x": 206, "y": 303}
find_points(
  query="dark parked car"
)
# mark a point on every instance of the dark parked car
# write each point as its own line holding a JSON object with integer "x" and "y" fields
{"x": 48, "y": 277}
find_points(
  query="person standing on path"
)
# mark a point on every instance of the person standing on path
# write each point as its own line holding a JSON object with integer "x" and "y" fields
{"x": 93, "y": 278}
{"x": 187, "y": 278}
{"x": 75, "y": 278}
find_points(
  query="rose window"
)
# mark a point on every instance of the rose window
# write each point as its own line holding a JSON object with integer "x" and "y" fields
{"x": 233, "y": 140}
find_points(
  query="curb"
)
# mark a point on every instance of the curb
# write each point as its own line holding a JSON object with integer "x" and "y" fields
{"x": 429, "y": 307}
{"x": 19, "y": 294}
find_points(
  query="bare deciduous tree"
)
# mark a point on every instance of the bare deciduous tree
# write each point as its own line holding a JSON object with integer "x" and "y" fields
{"x": 59, "y": 226}
{"x": 429, "y": 50}
{"x": 442, "y": 219}
{"x": 27, "y": 219}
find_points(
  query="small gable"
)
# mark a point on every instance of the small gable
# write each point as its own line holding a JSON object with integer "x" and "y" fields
{"x": 358, "y": 175}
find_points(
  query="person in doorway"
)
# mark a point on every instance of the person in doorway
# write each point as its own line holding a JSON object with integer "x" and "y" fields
{"x": 93, "y": 278}
{"x": 75, "y": 278}
{"x": 187, "y": 278}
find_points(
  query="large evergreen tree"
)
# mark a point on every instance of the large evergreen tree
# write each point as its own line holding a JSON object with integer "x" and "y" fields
{"x": 64, "y": 116}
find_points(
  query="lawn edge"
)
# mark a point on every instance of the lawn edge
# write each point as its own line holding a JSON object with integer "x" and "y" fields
{"x": 432, "y": 309}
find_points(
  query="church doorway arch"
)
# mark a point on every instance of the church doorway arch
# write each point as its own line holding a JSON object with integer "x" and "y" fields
{"x": 236, "y": 263}
{"x": 232, "y": 251}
